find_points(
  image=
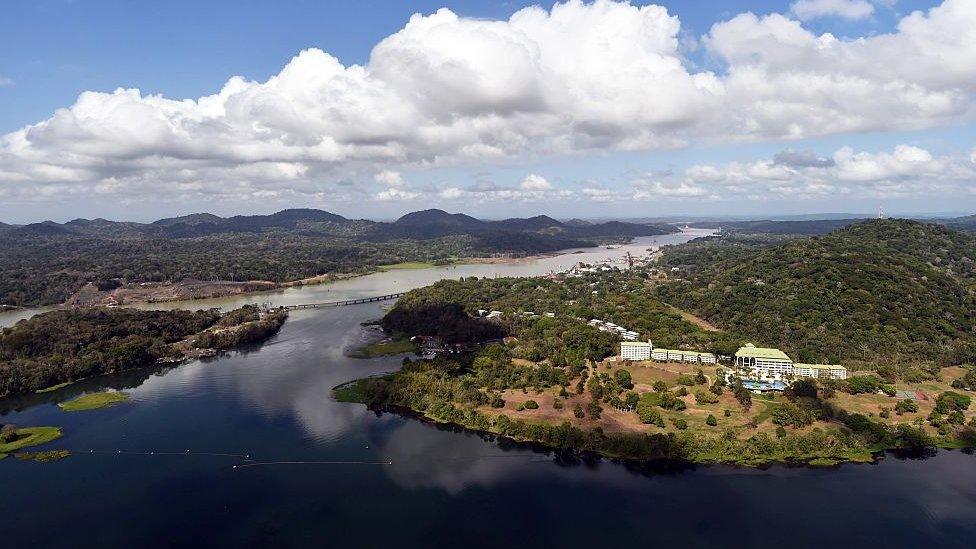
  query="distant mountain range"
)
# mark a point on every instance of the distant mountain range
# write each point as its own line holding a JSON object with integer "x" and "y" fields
{"x": 431, "y": 223}
{"x": 48, "y": 262}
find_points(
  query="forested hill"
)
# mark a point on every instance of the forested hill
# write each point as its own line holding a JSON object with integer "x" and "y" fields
{"x": 45, "y": 263}
{"x": 310, "y": 222}
{"x": 881, "y": 291}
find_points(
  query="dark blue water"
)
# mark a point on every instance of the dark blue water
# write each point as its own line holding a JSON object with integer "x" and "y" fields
{"x": 443, "y": 488}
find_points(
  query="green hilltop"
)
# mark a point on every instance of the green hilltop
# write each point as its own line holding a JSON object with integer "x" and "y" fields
{"x": 885, "y": 292}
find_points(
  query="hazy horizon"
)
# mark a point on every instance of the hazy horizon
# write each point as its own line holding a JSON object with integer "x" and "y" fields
{"x": 676, "y": 218}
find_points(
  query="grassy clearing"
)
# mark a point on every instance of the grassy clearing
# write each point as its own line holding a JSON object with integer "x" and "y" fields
{"x": 697, "y": 321}
{"x": 30, "y": 436}
{"x": 352, "y": 392}
{"x": 407, "y": 265}
{"x": 94, "y": 401}
{"x": 385, "y": 348}
{"x": 53, "y": 388}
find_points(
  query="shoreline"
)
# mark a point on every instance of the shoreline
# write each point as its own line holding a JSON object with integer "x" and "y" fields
{"x": 811, "y": 461}
{"x": 239, "y": 288}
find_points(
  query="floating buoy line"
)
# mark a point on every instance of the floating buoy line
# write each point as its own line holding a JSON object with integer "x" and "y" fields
{"x": 249, "y": 462}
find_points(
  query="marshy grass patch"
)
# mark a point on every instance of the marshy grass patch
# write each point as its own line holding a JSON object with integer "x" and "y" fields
{"x": 94, "y": 401}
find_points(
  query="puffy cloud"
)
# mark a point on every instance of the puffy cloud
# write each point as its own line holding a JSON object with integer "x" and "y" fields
{"x": 654, "y": 188}
{"x": 447, "y": 90}
{"x": 535, "y": 183}
{"x": 846, "y": 9}
{"x": 784, "y": 81}
{"x": 394, "y": 193}
{"x": 389, "y": 178}
{"x": 907, "y": 170}
{"x": 532, "y": 189}
{"x": 5, "y": 82}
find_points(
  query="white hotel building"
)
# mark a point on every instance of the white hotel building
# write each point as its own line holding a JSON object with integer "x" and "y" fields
{"x": 773, "y": 364}
{"x": 636, "y": 350}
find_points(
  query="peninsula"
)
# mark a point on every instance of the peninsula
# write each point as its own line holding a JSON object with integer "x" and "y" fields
{"x": 660, "y": 362}
{"x": 58, "y": 347}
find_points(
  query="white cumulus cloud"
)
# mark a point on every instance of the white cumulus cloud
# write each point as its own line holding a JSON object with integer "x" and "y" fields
{"x": 535, "y": 183}
{"x": 449, "y": 90}
{"x": 389, "y": 178}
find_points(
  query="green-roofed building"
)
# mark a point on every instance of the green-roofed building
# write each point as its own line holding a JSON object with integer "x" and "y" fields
{"x": 764, "y": 362}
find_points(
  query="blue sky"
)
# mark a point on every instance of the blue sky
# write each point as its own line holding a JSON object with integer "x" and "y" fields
{"x": 55, "y": 50}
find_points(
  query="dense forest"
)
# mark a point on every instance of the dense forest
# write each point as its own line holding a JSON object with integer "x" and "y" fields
{"x": 885, "y": 292}
{"x": 624, "y": 298}
{"x": 67, "y": 345}
{"x": 44, "y": 263}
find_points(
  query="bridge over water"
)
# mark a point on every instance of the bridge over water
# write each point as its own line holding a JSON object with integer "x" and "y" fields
{"x": 343, "y": 303}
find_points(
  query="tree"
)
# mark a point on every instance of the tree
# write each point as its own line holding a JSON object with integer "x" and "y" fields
{"x": 648, "y": 412}
{"x": 950, "y": 401}
{"x": 743, "y": 395}
{"x": 700, "y": 378}
{"x": 801, "y": 388}
{"x": 595, "y": 388}
{"x": 531, "y": 405}
{"x": 623, "y": 378}
{"x": 710, "y": 420}
{"x": 593, "y": 409}
{"x": 578, "y": 411}
{"x": 705, "y": 397}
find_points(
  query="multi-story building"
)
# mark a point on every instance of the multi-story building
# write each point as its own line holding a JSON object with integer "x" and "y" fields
{"x": 820, "y": 371}
{"x": 707, "y": 358}
{"x": 636, "y": 350}
{"x": 660, "y": 355}
{"x": 763, "y": 363}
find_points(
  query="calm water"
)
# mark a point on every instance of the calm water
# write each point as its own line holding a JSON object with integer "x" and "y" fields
{"x": 338, "y": 475}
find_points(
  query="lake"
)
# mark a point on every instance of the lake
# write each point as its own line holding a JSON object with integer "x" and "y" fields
{"x": 159, "y": 470}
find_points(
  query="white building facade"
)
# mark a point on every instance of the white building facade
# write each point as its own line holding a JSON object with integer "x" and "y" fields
{"x": 636, "y": 350}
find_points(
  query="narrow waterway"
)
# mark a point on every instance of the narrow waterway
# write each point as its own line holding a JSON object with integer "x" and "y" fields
{"x": 159, "y": 470}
